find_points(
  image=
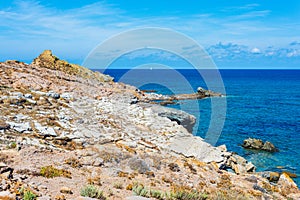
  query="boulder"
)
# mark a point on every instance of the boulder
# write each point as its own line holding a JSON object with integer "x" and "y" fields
{"x": 239, "y": 164}
{"x": 252, "y": 143}
{"x": 286, "y": 184}
{"x": 7, "y": 195}
{"x": 52, "y": 94}
{"x": 4, "y": 125}
{"x": 44, "y": 130}
{"x": 268, "y": 146}
{"x": 28, "y": 96}
{"x": 66, "y": 190}
{"x": 274, "y": 176}
{"x": 66, "y": 96}
{"x": 257, "y": 144}
{"x": 20, "y": 127}
{"x": 138, "y": 165}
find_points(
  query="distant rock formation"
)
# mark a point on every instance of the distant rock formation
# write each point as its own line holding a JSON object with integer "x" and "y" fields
{"x": 173, "y": 99}
{"x": 257, "y": 144}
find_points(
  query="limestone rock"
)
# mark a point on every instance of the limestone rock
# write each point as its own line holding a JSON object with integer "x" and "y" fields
{"x": 180, "y": 117}
{"x": 239, "y": 164}
{"x": 53, "y": 94}
{"x": 286, "y": 181}
{"x": 66, "y": 190}
{"x": 7, "y": 195}
{"x": 48, "y": 60}
{"x": 66, "y": 96}
{"x": 44, "y": 130}
{"x": 174, "y": 167}
{"x": 136, "y": 198}
{"x": 195, "y": 147}
{"x": 28, "y": 96}
{"x": 268, "y": 146}
{"x": 252, "y": 143}
{"x": 44, "y": 198}
{"x": 2, "y": 165}
{"x": 20, "y": 127}
{"x": 4, "y": 125}
{"x": 274, "y": 176}
{"x": 138, "y": 165}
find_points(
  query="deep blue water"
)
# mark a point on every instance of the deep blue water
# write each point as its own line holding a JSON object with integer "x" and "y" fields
{"x": 263, "y": 104}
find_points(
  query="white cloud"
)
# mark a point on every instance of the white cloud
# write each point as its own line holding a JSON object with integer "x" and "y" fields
{"x": 255, "y": 50}
{"x": 293, "y": 53}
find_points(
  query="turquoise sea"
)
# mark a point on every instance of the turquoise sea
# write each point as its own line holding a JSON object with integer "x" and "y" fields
{"x": 262, "y": 104}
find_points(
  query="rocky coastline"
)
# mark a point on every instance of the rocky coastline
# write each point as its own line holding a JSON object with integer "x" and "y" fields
{"x": 66, "y": 131}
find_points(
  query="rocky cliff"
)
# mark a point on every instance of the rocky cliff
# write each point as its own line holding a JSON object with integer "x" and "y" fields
{"x": 68, "y": 132}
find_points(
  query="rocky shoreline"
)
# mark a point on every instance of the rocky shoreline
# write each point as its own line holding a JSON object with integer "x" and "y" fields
{"x": 65, "y": 130}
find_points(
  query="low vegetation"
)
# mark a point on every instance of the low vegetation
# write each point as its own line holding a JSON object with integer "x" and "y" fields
{"x": 28, "y": 195}
{"x": 92, "y": 192}
{"x": 51, "y": 172}
{"x": 140, "y": 190}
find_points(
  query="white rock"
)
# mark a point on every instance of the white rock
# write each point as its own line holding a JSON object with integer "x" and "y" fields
{"x": 28, "y": 96}
{"x": 17, "y": 94}
{"x": 7, "y": 195}
{"x": 20, "y": 127}
{"x": 31, "y": 101}
{"x": 44, "y": 130}
{"x": 194, "y": 146}
{"x": 66, "y": 96}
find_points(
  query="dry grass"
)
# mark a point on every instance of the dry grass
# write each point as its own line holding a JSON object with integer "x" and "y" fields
{"x": 51, "y": 172}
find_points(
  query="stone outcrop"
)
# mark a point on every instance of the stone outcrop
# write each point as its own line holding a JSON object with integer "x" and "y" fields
{"x": 48, "y": 60}
{"x": 180, "y": 117}
{"x": 257, "y": 144}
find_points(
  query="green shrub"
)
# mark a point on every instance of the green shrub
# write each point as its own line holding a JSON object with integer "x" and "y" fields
{"x": 140, "y": 190}
{"x": 12, "y": 145}
{"x": 92, "y": 192}
{"x": 157, "y": 194}
{"x": 118, "y": 186}
{"x": 28, "y": 195}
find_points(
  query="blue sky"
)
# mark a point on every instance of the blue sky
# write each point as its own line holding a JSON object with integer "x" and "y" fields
{"x": 237, "y": 34}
